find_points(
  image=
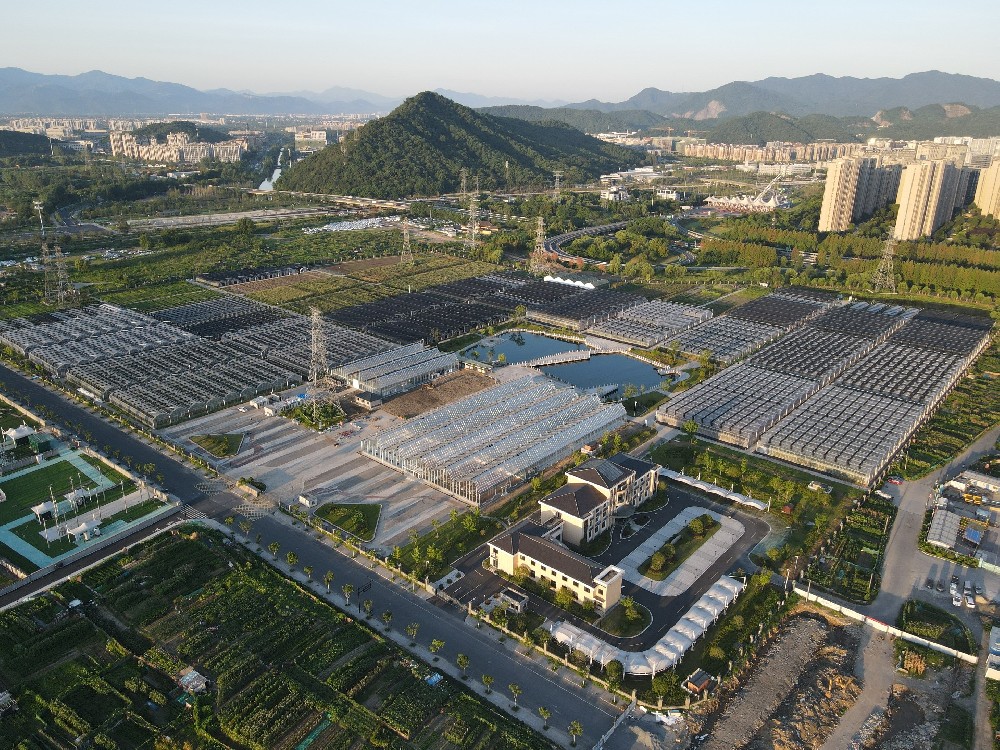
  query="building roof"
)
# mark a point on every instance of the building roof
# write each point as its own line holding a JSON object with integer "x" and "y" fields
{"x": 600, "y": 471}
{"x": 524, "y": 540}
{"x": 577, "y": 500}
{"x": 637, "y": 465}
{"x": 944, "y": 528}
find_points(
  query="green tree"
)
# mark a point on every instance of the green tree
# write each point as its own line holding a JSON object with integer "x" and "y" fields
{"x": 575, "y": 729}
{"x": 328, "y": 579}
{"x": 291, "y": 558}
{"x": 668, "y": 551}
{"x": 463, "y": 663}
{"x": 564, "y": 598}
{"x": 436, "y": 645}
{"x": 665, "y": 683}
{"x": 546, "y": 715}
{"x": 615, "y": 264}
{"x": 488, "y": 683}
{"x": 308, "y": 570}
{"x": 273, "y": 548}
{"x": 515, "y": 691}
{"x": 697, "y": 527}
{"x": 411, "y": 630}
{"x": 656, "y": 561}
{"x": 690, "y": 427}
{"x": 348, "y": 589}
{"x": 629, "y": 605}
{"x": 387, "y": 619}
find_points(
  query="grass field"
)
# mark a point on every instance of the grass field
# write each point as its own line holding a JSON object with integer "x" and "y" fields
{"x": 359, "y": 519}
{"x": 616, "y": 621}
{"x": 159, "y": 296}
{"x": 220, "y": 445}
{"x": 33, "y": 488}
{"x": 11, "y": 417}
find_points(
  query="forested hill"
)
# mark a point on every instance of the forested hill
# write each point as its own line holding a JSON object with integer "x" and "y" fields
{"x": 587, "y": 120}
{"x": 194, "y": 131}
{"x": 13, "y": 143}
{"x": 421, "y": 147}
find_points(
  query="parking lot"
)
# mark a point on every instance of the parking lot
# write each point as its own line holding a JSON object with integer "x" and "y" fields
{"x": 290, "y": 459}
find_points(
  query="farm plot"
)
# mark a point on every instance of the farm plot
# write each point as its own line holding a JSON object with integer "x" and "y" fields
{"x": 284, "y": 666}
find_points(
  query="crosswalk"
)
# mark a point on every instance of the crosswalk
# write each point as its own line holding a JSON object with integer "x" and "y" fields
{"x": 193, "y": 514}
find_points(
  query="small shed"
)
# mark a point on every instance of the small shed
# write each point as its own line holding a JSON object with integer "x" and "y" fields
{"x": 514, "y": 600}
{"x": 699, "y": 682}
{"x": 973, "y": 536}
{"x": 191, "y": 681}
{"x": 368, "y": 401}
{"x": 308, "y": 500}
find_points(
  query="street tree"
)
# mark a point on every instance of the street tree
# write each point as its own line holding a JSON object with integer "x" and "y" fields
{"x": 292, "y": 559}
{"x": 488, "y": 683}
{"x": 411, "y": 630}
{"x": 387, "y": 619}
{"x": 515, "y": 690}
{"x": 348, "y": 589}
{"x": 575, "y": 729}
{"x": 328, "y": 579}
{"x": 546, "y": 715}
{"x": 436, "y": 645}
{"x": 463, "y": 663}
{"x": 273, "y": 548}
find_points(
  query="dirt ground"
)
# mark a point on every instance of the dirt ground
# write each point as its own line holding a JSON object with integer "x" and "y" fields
{"x": 803, "y": 683}
{"x": 353, "y": 266}
{"x": 438, "y": 393}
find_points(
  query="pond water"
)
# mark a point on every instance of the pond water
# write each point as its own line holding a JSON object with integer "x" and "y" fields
{"x": 518, "y": 347}
{"x": 605, "y": 369}
{"x": 269, "y": 184}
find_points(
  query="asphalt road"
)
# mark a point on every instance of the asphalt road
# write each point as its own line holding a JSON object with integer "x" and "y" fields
{"x": 178, "y": 478}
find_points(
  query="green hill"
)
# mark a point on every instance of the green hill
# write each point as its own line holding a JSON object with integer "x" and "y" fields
{"x": 421, "y": 147}
{"x": 195, "y": 132}
{"x": 13, "y": 143}
{"x": 587, "y": 120}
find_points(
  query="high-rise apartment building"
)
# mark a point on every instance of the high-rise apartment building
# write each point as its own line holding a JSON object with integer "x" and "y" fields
{"x": 988, "y": 190}
{"x": 927, "y": 198}
{"x": 855, "y": 189}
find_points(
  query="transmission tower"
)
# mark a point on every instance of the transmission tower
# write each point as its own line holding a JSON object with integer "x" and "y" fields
{"x": 473, "y": 236}
{"x": 63, "y": 290}
{"x": 465, "y": 178}
{"x": 884, "y": 278}
{"x": 506, "y": 173}
{"x": 318, "y": 369}
{"x": 50, "y": 282}
{"x": 539, "y": 258}
{"x": 558, "y": 179}
{"x": 406, "y": 257}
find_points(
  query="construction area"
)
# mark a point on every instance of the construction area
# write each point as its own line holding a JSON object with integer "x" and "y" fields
{"x": 482, "y": 445}
{"x": 438, "y": 393}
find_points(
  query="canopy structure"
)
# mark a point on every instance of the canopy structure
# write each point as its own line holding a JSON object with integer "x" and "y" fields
{"x": 712, "y": 489}
{"x": 670, "y": 649}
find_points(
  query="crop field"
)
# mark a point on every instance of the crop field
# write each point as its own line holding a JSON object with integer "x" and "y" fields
{"x": 220, "y": 445}
{"x": 159, "y": 296}
{"x": 284, "y": 666}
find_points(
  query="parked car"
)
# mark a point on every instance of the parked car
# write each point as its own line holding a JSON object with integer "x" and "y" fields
{"x": 979, "y": 591}
{"x": 970, "y": 602}
{"x": 954, "y": 579}
{"x": 929, "y": 583}
{"x": 894, "y": 479}
{"x": 956, "y": 600}
{"x": 953, "y": 589}
{"x": 940, "y": 585}
{"x": 967, "y": 587}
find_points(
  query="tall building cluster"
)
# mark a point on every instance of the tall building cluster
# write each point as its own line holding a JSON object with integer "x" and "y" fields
{"x": 929, "y": 185}
{"x": 988, "y": 191}
{"x": 178, "y": 149}
{"x": 856, "y": 187}
{"x": 775, "y": 151}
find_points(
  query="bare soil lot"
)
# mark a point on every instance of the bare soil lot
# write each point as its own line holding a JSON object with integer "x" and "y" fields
{"x": 437, "y": 394}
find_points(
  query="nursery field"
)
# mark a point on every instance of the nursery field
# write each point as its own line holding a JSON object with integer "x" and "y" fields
{"x": 284, "y": 669}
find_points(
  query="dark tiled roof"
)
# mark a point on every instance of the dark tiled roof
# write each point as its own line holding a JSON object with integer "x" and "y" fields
{"x": 632, "y": 463}
{"x": 548, "y": 553}
{"x": 575, "y": 499}
{"x": 600, "y": 471}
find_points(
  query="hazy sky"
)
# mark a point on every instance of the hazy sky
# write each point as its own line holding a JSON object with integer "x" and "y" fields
{"x": 546, "y": 49}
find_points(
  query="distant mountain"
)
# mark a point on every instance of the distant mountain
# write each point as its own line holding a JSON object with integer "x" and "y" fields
{"x": 819, "y": 93}
{"x": 587, "y": 120}
{"x": 421, "y": 147}
{"x": 900, "y": 123}
{"x": 18, "y": 144}
{"x": 97, "y": 93}
{"x": 477, "y": 101}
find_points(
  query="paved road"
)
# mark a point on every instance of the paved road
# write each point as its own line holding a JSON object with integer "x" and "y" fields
{"x": 178, "y": 478}
{"x": 542, "y": 687}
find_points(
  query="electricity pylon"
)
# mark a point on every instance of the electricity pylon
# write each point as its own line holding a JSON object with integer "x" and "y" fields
{"x": 884, "y": 279}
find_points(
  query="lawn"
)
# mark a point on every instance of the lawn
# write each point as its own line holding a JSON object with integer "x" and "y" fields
{"x": 34, "y": 487}
{"x": 220, "y": 445}
{"x": 433, "y": 553}
{"x": 617, "y": 622}
{"x": 11, "y": 417}
{"x": 680, "y": 548}
{"x": 357, "y": 519}
{"x": 643, "y": 404}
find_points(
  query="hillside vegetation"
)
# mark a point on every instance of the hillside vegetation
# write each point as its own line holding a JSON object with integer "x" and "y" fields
{"x": 13, "y": 143}
{"x": 421, "y": 147}
{"x": 587, "y": 120}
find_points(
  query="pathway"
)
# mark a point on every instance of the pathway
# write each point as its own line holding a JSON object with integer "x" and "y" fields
{"x": 689, "y": 571}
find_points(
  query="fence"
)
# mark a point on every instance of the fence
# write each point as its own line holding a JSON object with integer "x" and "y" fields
{"x": 884, "y": 628}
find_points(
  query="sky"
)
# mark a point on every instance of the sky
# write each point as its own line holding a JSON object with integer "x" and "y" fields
{"x": 538, "y": 49}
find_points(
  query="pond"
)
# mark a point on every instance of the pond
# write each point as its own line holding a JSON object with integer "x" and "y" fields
{"x": 518, "y": 347}
{"x": 606, "y": 369}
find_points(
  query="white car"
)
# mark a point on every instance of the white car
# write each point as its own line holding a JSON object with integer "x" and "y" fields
{"x": 970, "y": 602}
{"x": 956, "y": 600}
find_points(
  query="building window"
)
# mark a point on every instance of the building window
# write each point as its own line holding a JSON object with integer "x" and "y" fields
{"x": 586, "y": 589}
